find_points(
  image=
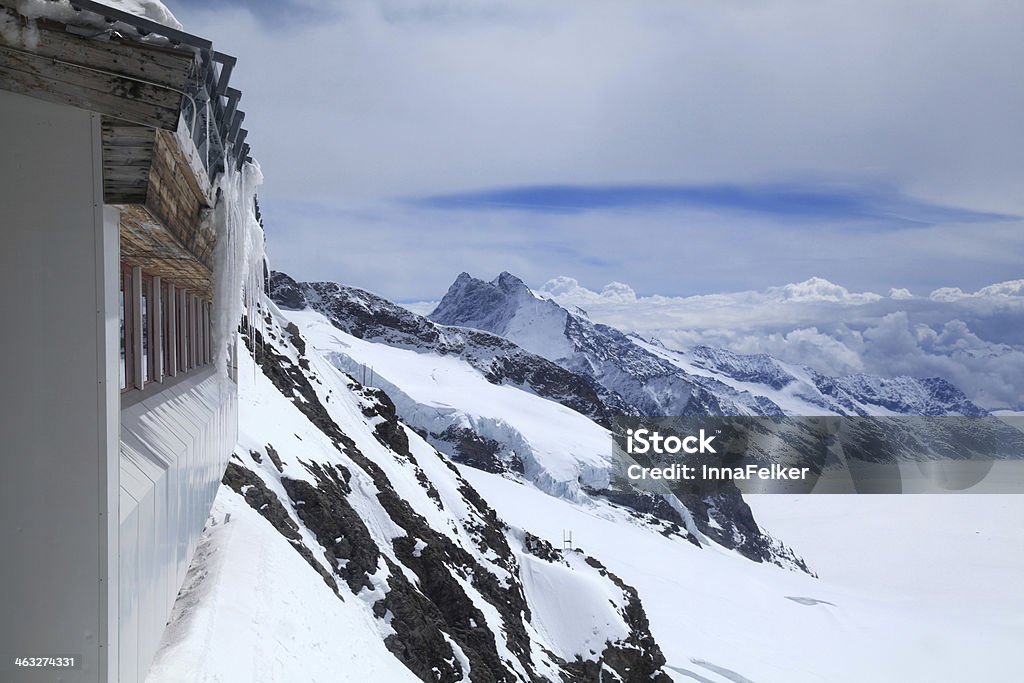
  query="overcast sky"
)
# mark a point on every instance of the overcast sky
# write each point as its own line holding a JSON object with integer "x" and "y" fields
{"x": 683, "y": 147}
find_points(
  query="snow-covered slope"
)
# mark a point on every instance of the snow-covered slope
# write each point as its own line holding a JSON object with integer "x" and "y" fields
{"x": 342, "y": 505}
{"x": 373, "y": 318}
{"x": 440, "y": 387}
{"x": 248, "y": 586}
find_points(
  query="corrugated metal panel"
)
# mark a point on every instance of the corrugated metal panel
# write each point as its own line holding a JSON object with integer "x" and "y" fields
{"x": 174, "y": 448}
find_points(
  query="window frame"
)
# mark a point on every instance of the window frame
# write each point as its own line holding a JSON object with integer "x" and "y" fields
{"x": 127, "y": 330}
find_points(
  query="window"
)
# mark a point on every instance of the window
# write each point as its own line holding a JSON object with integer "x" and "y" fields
{"x": 182, "y": 335}
{"x": 167, "y": 347}
{"x": 164, "y": 329}
{"x": 127, "y": 361}
{"x": 147, "y": 324}
{"x": 190, "y": 335}
{"x": 207, "y": 333}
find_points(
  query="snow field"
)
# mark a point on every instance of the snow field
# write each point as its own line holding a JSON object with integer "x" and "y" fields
{"x": 908, "y": 590}
{"x": 253, "y": 610}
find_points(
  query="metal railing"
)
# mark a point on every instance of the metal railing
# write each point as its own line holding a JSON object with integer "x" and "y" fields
{"x": 210, "y": 106}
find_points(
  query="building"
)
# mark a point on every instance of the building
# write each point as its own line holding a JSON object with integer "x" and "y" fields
{"x": 126, "y": 204}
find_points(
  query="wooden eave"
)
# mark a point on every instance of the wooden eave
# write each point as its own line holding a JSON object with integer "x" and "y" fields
{"x": 128, "y": 80}
{"x": 151, "y": 169}
{"x": 152, "y": 177}
{"x": 146, "y": 242}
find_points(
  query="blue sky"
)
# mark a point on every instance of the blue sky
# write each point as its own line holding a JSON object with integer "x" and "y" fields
{"x": 683, "y": 148}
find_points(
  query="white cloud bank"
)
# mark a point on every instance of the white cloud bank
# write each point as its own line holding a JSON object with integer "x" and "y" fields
{"x": 970, "y": 338}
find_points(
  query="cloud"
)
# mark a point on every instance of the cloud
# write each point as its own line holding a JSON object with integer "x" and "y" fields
{"x": 972, "y": 339}
{"x": 271, "y": 15}
{"x": 687, "y": 149}
{"x": 1008, "y": 290}
{"x": 808, "y": 346}
{"x": 569, "y": 289}
{"x": 900, "y": 293}
{"x": 721, "y": 146}
{"x": 417, "y": 98}
{"x": 819, "y": 289}
{"x": 811, "y": 291}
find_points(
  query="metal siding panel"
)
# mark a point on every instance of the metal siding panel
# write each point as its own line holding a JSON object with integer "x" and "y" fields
{"x": 54, "y": 256}
{"x": 174, "y": 449}
{"x": 128, "y": 595}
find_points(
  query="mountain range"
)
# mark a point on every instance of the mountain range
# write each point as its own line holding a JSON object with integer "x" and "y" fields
{"x": 436, "y": 493}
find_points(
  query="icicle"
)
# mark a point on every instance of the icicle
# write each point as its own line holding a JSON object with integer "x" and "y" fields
{"x": 239, "y": 256}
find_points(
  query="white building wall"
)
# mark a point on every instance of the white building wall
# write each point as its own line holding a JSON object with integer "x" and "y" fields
{"x": 174, "y": 449}
{"x": 101, "y": 508}
{"x": 58, "y": 394}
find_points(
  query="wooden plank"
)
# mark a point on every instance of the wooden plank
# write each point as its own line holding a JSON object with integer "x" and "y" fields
{"x": 85, "y": 77}
{"x": 147, "y": 241}
{"x": 127, "y": 156}
{"x": 134, "y": 136}
{"x": 43, "y": 88}
{"x": 199, "y": 178}
{"x": 178, "y": 165}
{"x": 114, "y": 195}
{"x": 124, "y": 177}
{"x": 135, "y": 185}
{"x": 144, "y": 236}
{"x": 137, "y": 60}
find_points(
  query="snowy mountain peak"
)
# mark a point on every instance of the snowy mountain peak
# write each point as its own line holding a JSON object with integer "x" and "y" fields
{"x": 648, "y": 383}
{"x": 505, "y": 306}
{"x": 368, "y": 316}
{"x": 507, "y": 282}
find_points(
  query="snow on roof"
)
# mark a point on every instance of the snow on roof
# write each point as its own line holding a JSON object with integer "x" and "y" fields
{"x": 154, "y": 10}
{"x": 62, "y": 10}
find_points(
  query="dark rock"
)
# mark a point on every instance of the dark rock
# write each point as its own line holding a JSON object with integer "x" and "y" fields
{"x": 295, "y": 338}
{"x": 347, "y": 542}
{"x": 540, "y": 548}
{"x": 275, "y": 458}
{"x": 469, "y": 448}
{"x": 285, "y": 292}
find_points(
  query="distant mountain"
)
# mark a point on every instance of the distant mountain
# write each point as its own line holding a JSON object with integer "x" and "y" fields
{"x": 368, "y": 316}
{"x": 463, "y": 390}
{"x": 799, "y": 390}
{"x": 650, "y": 384}
{"x": 655, "y": 380}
